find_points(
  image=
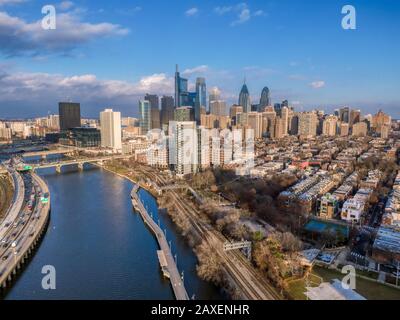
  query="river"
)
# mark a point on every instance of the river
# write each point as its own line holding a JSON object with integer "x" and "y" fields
{"x": 100, "y": 248}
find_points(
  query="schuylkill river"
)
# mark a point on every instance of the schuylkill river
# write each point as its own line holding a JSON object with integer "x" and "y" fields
{"x": 100, "y": 248}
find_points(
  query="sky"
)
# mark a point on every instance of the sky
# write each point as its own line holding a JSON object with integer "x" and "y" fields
{"x": 111, "y": 53}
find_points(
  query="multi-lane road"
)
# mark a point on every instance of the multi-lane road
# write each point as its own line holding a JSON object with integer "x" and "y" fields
{"x": 24, "y": 223}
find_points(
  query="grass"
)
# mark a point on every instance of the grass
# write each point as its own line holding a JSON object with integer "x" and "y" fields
{"x": 6, "y": 195}
{"x": 368, "y": 289}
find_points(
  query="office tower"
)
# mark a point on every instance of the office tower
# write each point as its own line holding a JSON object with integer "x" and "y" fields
{"x": 294, "y": 125}
{"x": 192, "y": 96}
{"x": 285, "y": 120}
{"x": 215, "y": 94}
{"x": 385, "y": 131}
{"x": 234, "y": 110}
{"x": 285, "y": 103}
{"x": 380, "y": 120}
{"x": 204, "y": 147}
{"x": 218, "y": 108}
{"x": 53, "y": 122}
{"x": 201, "y": 98}
{"x": 244, "y": 99}
{"x": 183, "y": 147}
{"x": 183, "y": 114}
{"x": 280, "y": 128}
{"x": 265, "y": 100}
{"x": 111, "y": 135}
{"x": 254, "y": 121}
{"x": 344, "y": 129}
{"x": 155, "y": 110}
{"x": 344, "y": 115}
{"x": 360, "y": 129}
{"x": 167, "y": 109}
{"x": 330, "y": 126}
{"x": 278, "y": 109}
{"x": 181, "y": 90}
{"x": 268, "y": 122}
{"x": 70, "y": 115}
{"x": 308, "y": 124}
{"x": 355, "y": 117}
{"x": 145, "y": 116}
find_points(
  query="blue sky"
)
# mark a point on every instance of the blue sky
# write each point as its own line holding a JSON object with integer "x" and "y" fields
{"x": 110, "y": 53}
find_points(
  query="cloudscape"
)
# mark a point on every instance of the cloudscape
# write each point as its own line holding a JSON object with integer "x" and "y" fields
{"x": 105, "y": 54}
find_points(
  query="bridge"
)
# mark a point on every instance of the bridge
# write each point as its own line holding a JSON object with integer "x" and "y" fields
{"x": 246, "y": 245}
{"x": 45, "y": 153}
{"x": 167, "y": 262}
{"x": 80, "y": 162}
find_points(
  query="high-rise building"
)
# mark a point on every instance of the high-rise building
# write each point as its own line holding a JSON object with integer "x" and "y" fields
{"x": 308, "y": 124}
{"x": 254, "y": 121}
{"x": 201, "y": 98}
{"x": 344, "y": 129}
{"x": 285, "y": 120}
{"x": 155, "y": 110}
{"x": 111, "y": 134}
{"x": 183, "y": 114}
{"x": 344, "y": 115}
{"x": 244, "y": 99}
{"x": 360, "y": 129}
{"x": 380, "y": 120}
{"x": 218, "y": 108}
{"x": 181, "y": 90}
{"x": 330, "y": 126}
{"x": 145, "y": 116}
{"x": 167, "y": 110}
{"x": 183, "y": 147}
{"x": 70, "y": 115}
{"x": 215, "y": 94}
{"x": 265, "y": 100}
{"x": 355, "y": 117}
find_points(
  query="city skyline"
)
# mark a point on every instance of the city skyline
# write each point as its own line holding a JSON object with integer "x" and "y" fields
{"x": 39, "y": 72}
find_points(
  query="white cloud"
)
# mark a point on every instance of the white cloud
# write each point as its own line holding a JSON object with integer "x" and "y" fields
{"x": 192, "y": 12}
{"x": 18, "y": 37}
{"x": 44, "y": 91}
{"x": 243, "y": 17}
{"x": 259, "y": 13}
{"x": 66, "y": 5}
{"x": 5, "y": 2}
{"x": 222, "y": 10}
{"x": 199, "y": 69}
{"x": 317, "y": 84}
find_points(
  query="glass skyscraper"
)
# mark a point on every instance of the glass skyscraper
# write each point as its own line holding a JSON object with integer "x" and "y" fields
{"x": 145, "y": 116}
{"x": 201, "y": 98}
{"x": 181, "y": 90}
{"x": 70, "y": 115}
{"x": 244, "y": 99}
{"x": 265, "y": 100}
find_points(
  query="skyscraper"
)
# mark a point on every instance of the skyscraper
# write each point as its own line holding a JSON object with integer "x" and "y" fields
{"x": 145, "y": 116}
{"x": 181, "y": 90}
{"x": 265, "y": 100}
{"x": 167, "y": 109}
{"x": 201, "y": 98}
{"x": 70, "y": 115}
{"x": 218, "y": 107}
{"x": 244, "y": 99}
{"x": 308, "y": 124}
{"x": 344, "y": 114}
{"x": 111, "y": 135}
{"x": 329, "y": 127}
{"x": 155, "y": 110}
{"x": 215, "y": 94}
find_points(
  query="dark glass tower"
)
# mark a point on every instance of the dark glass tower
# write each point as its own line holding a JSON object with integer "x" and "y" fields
{"x": 265, "y": 100}
{"x": 167, "y": 110}
{"x": 201, "y": 98}
{"x": 70, "y": 115}
{"x": 244, "y": 99}
{"x": 181, "y": 90}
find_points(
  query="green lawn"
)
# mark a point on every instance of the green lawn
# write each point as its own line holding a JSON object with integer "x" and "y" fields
{"x": 368, "y": 289}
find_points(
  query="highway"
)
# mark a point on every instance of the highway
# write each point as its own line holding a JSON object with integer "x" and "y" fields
{"x": 20, "y": 233}
{"x": 17, "y": 202}
{"x": 251, "y": 282}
